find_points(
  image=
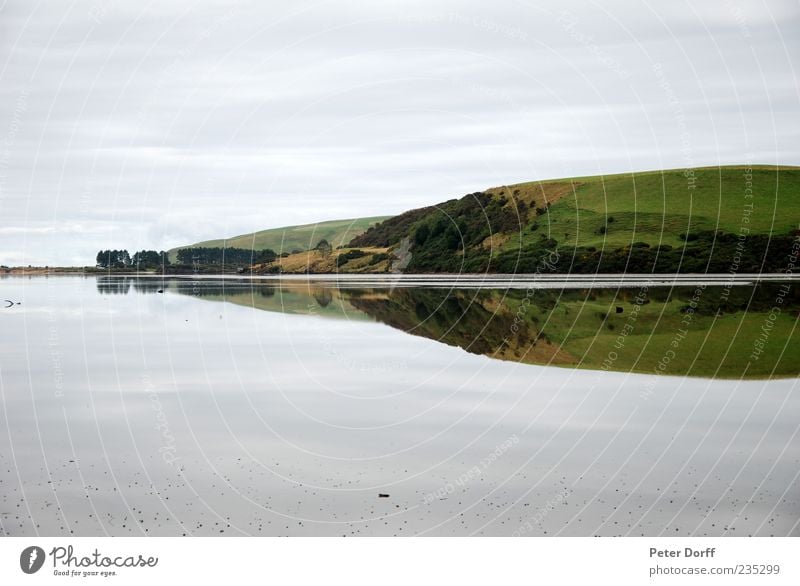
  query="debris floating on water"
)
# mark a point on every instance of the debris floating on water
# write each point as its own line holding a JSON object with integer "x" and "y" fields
{"x": 382, "y": 495}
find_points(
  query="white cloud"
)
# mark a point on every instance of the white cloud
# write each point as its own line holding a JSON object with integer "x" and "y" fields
{"x": 148, "y": 127}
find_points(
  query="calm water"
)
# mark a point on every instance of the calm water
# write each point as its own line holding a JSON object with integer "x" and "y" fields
{"x": 288, "y": 408}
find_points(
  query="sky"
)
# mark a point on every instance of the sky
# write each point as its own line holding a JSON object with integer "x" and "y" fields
{"x": 150, "y": 124}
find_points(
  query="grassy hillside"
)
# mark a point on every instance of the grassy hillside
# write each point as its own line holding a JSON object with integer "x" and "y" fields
{"x": 659, "y": 206}
{"x": 715, "y": 219}
{"x": 661, "y": 221}
{"x": 293, "y": 238}
{"x": 341, "y": 260}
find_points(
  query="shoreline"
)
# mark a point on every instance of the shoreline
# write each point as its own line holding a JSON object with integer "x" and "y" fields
{"x": 483, "y": 280}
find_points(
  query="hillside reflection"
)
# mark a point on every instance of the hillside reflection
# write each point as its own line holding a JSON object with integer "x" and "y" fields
{"x": 743, "y": 331}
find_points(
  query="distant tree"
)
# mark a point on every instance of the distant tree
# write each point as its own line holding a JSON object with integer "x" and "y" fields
{"x": 149, "y": 259}
{"x": 266, "y": 256}
{"x": 113, "y": 259}
{"x": 346, "y": 257}
{"x": 324, "y": 248}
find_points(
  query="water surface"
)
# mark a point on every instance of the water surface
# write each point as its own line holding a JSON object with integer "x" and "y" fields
{"x": 287, "y": 407}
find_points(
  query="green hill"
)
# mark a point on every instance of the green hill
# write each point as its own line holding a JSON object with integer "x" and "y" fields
{"x": 291, "y": 238}
{"x": 715, "y": 219}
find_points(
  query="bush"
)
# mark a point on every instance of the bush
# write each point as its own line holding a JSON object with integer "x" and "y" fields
{"x": 346, "y": 257}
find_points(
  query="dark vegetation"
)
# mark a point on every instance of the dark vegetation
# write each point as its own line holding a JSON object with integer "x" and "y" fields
{"x": 393, "y": 230}
{"x": 324, "y": 247}
{"x": 346, "y": 257}
{"x": 451, "y": 225}
{"x": 121, "y": 259}
{"x": 704, "y": 252}
{"x": 196, "y": 259}
{"x": 448, "y": 238}
{"x": 217, "y": 257}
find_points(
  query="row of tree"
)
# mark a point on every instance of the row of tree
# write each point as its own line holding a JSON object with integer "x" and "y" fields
{"x": 121, "y": 259}
{"x": 225, "y": 256}
{"x": 202, "y": 256}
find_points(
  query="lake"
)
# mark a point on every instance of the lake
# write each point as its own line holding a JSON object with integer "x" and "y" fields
{"x": 399, "y": 406}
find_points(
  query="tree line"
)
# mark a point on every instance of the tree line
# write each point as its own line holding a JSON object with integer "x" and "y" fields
{"x": 202, "y": 255}
{"x": 121, "y": 259}
{"x": 194, "y": 256}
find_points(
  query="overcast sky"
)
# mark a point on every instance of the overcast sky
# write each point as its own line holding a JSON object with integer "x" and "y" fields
{"x": 147, "y": 124}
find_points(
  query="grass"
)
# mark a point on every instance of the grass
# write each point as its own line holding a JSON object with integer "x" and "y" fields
{"x": 657, "y": 207}
{"x": 293, "y": 238}
{"x": 314, "y": 261}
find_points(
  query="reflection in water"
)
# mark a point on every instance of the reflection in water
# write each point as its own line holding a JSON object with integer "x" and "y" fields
{"x": 231, "y": 407}
{"x": 710, "y": 331}
{"x": 115, "y": 285}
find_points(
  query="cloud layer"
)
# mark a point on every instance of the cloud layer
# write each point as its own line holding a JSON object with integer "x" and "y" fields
{"x": 136, "y": 124}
